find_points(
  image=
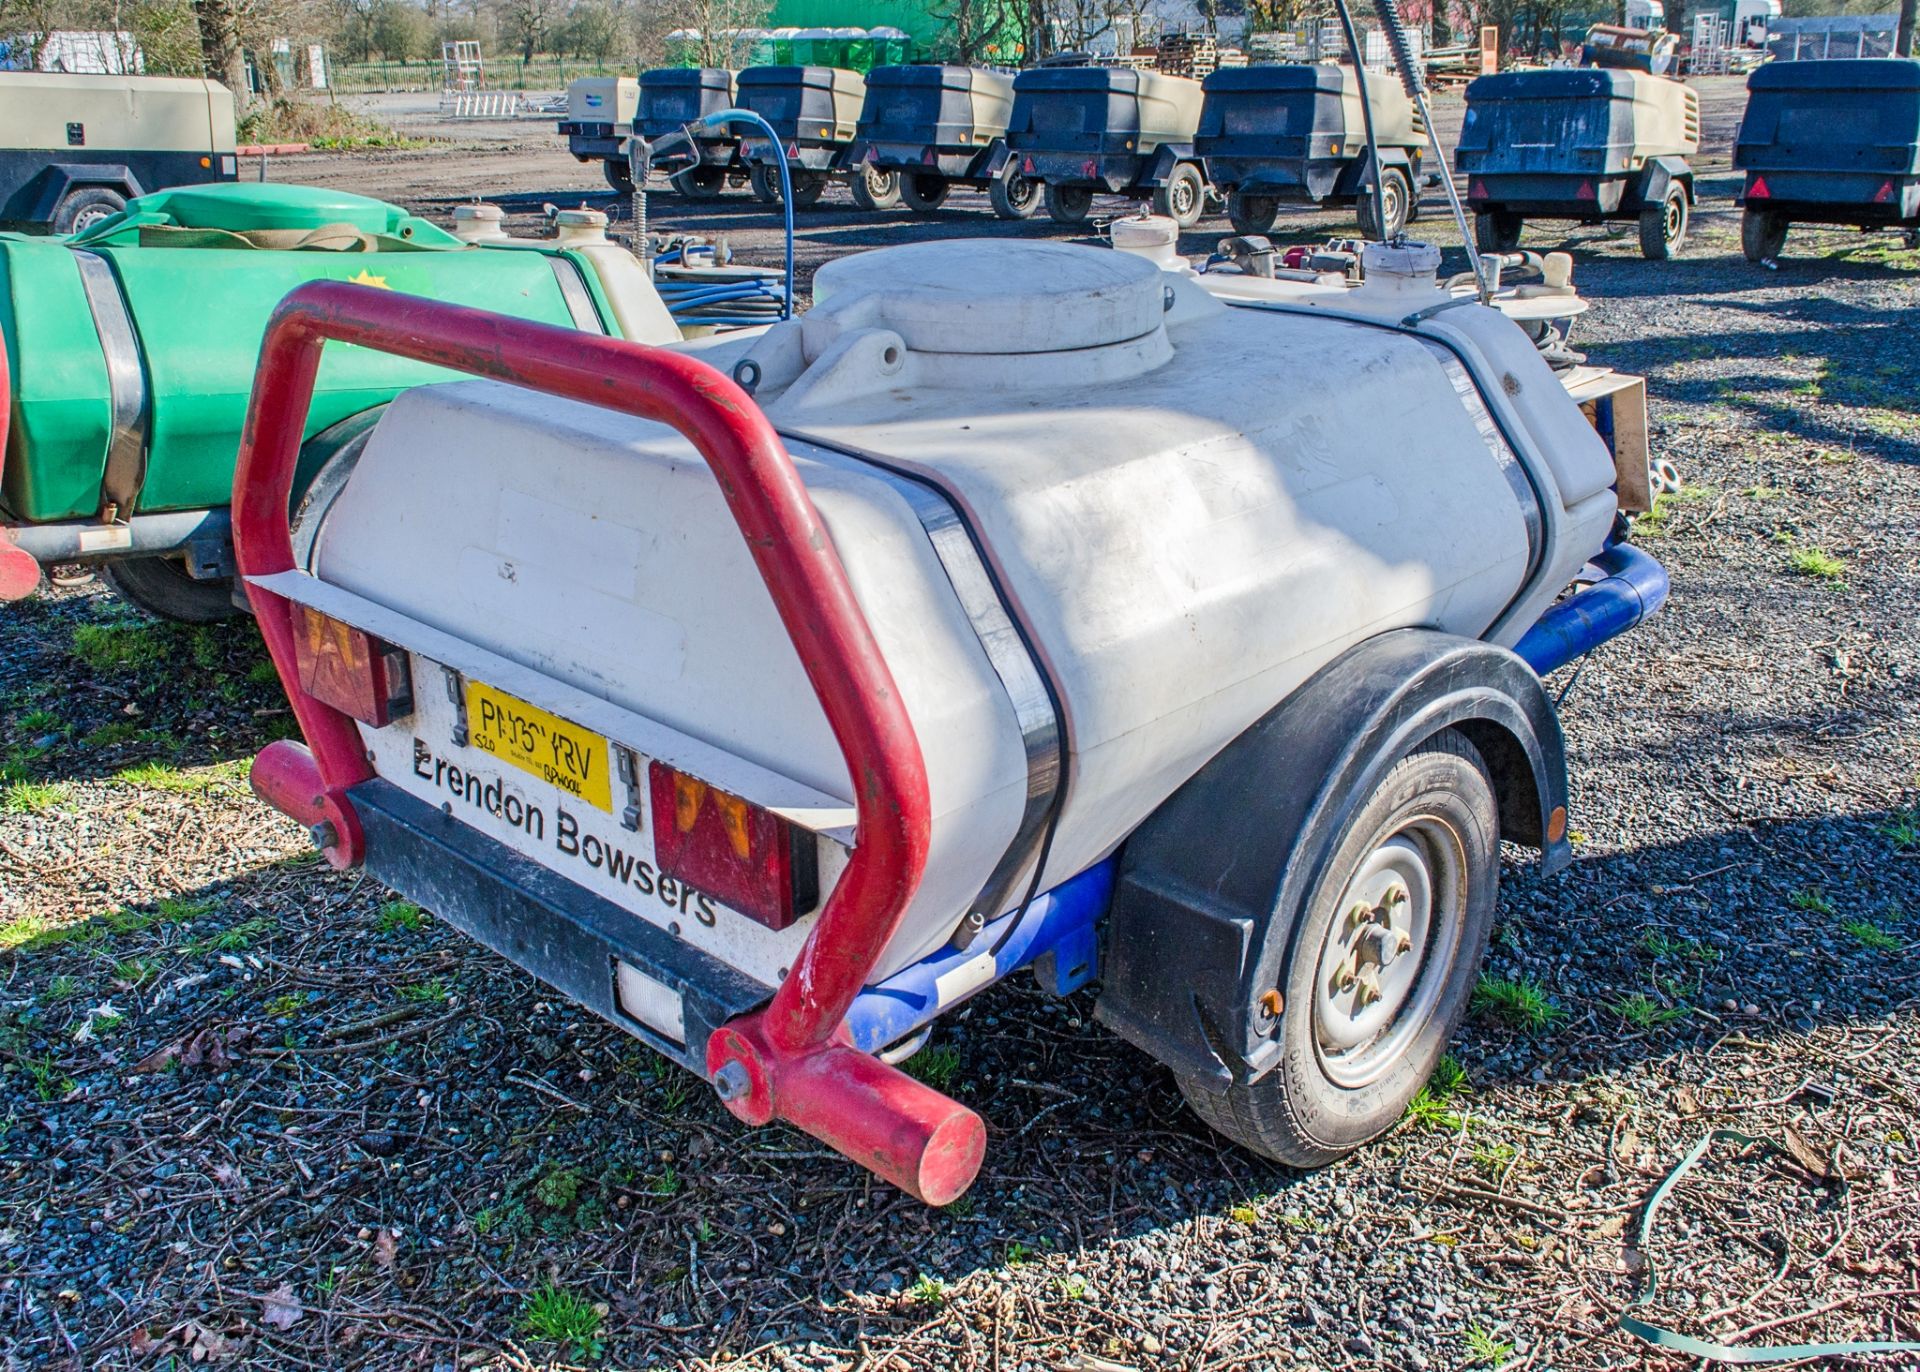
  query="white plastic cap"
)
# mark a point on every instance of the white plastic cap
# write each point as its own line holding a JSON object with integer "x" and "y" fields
{"x": 1412, "y": 261}
{"x": 477, "y": 223}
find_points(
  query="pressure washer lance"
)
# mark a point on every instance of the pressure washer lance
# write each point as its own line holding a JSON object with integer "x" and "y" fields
{"x": 1366, "y": 113}
{"x": 1416, "y": 88}
{"x": 639, "y": 155}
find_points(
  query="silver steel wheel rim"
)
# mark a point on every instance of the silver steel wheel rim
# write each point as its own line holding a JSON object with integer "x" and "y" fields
{"x": 1384, "y": 961}
{"x": 1183, "y": 194}
{"x": 1022, "y": 191}
{"x": 1674, "y": 213}
{"x": 90, "y": 216}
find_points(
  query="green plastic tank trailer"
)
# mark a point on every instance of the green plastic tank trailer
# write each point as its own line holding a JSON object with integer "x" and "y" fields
{"x": 130, "y": 353}
{"x": 74, "y": 149}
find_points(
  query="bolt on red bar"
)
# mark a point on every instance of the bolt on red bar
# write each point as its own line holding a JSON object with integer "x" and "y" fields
{"x": 879, "y": 1116}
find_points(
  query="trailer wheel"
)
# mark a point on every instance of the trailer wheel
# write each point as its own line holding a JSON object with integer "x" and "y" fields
{"x": 1252, "y": 213}
{"x": 1184, "y": 196}
{"x": 808, "y": 186}
{"x": 764, "y": 182}
{"x": 1381, "y": 965}
{"x": 1397, "y": 192}
{"x": 1663, "y": 227}
{"x": 699, "y": 183}
{"x": 1014, "y": 196}
{"x": 82, "y": 209}
{"x": 161, "y": 587}
{"x": 924, "y": 192}
{"x": 1069, "y": 204}
{"x": 1763, "y": 233}
{"x": 1497, "y": 230}
{"x": 619, "y": 174}
{"x": 872, "y": 188}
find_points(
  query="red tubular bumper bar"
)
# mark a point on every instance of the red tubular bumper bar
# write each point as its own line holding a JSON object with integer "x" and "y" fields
{"x": 19, "y": 573}
{"x": 783, "y": 1062}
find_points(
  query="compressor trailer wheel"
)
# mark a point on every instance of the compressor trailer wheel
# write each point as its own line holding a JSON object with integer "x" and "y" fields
{"x": 1381, "y": 966}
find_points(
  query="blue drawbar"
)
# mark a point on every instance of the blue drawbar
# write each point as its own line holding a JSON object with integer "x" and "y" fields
{"x": 1627, "y": 585}
{"x": 1061, "y": 922}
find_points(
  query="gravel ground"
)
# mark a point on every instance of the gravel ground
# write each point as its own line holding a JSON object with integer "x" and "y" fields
{"x": 261, "y": 1115}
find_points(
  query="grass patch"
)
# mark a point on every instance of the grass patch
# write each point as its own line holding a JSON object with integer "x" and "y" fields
{"x": 19, "y": 933}
{"x": 136, "y": 972}
{"x": 558, "y": 1187}
{"x": 930, "y": 1291}
{"x": 49, "y": 1082}
{"x": 1517, "y": 1003}
{"x": 111, "y": 649}
{"x": 431, "y": 992}
{"x": 161, "y": 776}
{"x": 62, "y": 988}
{"x": 329, "y": 127}
{"x": 1660, "y": 944}
{"x": 1818, "y": 564}
{"x": 937, "y": 1067}
{"x": 1484, "y": 1349}
{"x": 1643, "y": 1012}
{"x": 1492, "y": 1159}
{"x": 1872, "y": 936}
{"x": 282, "y": 1006}
{"x": 564, "y": 1317}
{"x": 1432, "y": 1103}
{"x": 33, "y": 797}
{"x": 1811, "y": 899}
{"x": 399, "y": 917}
{"x": 40, "y": 722}
{"x": 238, "y": 939}
{"x": 1903, "y": 829}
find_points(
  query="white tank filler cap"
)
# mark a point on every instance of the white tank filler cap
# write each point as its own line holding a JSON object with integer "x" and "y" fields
{"x": 993, "y": 296}
{"x": 581, "y": 226}
{"x": 479, "y": 223}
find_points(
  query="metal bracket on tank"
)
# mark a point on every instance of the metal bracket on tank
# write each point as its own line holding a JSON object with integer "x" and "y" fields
{"x": 126, "y": 469}
{"x": 1036, "y": 708}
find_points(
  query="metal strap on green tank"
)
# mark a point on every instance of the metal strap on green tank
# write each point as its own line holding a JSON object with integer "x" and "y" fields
{"x": 126, "y": 470}
{"x": 573, "y": 291}
{"x": 1720, "y": 1352}
{"x": 325, "y": 238}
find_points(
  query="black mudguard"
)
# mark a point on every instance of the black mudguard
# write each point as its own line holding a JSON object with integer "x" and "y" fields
{"x": 1214, "y": 883}
{"x": 1166, "y": 158}
{"x": 1660, "y": 173}
{"x": 55, "y": 181}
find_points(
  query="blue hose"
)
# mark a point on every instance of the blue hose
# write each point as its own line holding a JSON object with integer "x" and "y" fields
{"x": 720, "y": 119}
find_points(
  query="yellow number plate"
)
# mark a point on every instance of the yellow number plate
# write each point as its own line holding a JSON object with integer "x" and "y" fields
{"x": 536, "y": 742}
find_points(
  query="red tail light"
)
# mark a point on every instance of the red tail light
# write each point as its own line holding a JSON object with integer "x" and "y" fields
{"x": 1585, "y": 192}
{"x": 1886, "y": 194}
{"x": 1758, "y": 190}
{"x": 1027, "y": 166}
{"x": 1476, "y": 189}
{"x": 734, "y": 851}
{"x": 351, "y": 670}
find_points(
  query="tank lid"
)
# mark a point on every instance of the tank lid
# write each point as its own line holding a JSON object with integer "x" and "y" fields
{"x": 991, "y": 295}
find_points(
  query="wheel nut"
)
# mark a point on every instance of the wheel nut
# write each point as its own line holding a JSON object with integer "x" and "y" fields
{"x": 1368, "y": 987}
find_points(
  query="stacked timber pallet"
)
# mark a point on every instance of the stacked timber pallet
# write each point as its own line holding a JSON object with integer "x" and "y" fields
{"x": 1192, "y": 55}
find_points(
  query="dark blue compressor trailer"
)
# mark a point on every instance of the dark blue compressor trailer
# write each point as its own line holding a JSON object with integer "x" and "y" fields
{"x": 1829, "y": 143}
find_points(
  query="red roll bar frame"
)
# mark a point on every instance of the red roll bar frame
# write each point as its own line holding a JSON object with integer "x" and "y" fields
{"x": 19, "y": 572}
{"x": 786, "y": 1061}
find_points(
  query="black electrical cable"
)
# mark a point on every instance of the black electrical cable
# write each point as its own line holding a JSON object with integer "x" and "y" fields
{"x": 1366, "y": 114}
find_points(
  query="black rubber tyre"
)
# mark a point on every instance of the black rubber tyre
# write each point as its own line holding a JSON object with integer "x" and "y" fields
{"x": 1435, "y": 804}
{"x": 1497, "y": 230}
{"x": 618, "y": 173}
{"x": 1397, "y": 191}
{"x": 699, "y": 183}
{"x": 872, "y": 189}
{"x": 1184, "y": 198}
{"x": 924, "y": 192}
{"x": 1252, "y": 213}
{"x": 84, "y": 208}
{"x": 1014, "y": 196}
{"x": 764, "y": 182}
{"x": 161, "y": 587}
{"x": 1663, "y": 227}
{"x": 1763, "y": 234}
{"x": 1069, "y": 204}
